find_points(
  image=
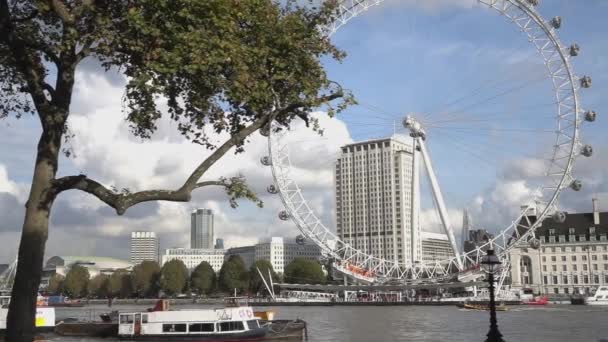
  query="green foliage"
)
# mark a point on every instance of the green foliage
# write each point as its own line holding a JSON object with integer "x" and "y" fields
{"x": 120, "y": 284}
{"x": 203, "y": 279}
{"x": 76, "y": 281}
{"x": 233, "y": 275}
{"x": 99, "y": 286}
{"x": 256, "y": 284}
{"x": 302, "y": 271}
{"x": 146, "y": 277}
{"x": 55, "y": 286}
{"x": 174, "y": 277}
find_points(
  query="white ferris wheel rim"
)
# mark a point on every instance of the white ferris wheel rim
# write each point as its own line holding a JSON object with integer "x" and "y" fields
{"x": 542, "y": 34}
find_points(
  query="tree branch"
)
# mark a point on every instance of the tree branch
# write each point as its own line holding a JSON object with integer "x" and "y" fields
{"x": 235, "y": 186}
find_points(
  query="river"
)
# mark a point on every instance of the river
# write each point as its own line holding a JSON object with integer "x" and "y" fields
{"x": 551, "y": 323}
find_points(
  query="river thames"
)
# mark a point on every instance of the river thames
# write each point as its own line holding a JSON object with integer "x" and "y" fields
{"x": 420, "y": 323}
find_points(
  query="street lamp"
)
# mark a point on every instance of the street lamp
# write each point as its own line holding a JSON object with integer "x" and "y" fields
{"x": 490, "y": 264}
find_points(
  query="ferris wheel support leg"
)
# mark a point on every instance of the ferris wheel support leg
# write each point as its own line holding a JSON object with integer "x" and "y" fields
{"x": 443, "y": 213}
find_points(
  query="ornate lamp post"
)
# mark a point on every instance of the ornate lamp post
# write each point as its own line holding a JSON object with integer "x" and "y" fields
{"x": 490, "y": 264}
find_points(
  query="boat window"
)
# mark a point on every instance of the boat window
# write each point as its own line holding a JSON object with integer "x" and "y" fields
{"x": 174, "y": 328}
{"x": 201, "y": 327}
{"x": 144, "y": 318}
{"x": 252, "y": 324}
{"x": 125, "y": 319}
{"x": 229, "y": 326}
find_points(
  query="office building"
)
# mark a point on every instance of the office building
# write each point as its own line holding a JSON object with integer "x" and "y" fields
{"x": 95, "y": 265}
{"x": 247, "y": 253}
{"x": 193, "y": 257}
{"x": 144, "y": 246}
{"x": 377, "y": 198}
{"x": 477, "y": 237}
{"x": 435, "y": 247}
{"x": 201, "y": 229}
{"x": 219, "y": 243}
{"x": 572, "y": 256}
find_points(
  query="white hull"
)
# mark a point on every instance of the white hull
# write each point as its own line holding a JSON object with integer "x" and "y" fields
{"x": 45, "y": 318}
{"x": 599, "y": 303}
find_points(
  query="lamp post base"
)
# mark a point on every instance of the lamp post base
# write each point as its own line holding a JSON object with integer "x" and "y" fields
{"x": 494, "y": 335}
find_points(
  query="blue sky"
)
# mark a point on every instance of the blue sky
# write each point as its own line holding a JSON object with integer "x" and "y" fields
{"x": 447, "y": 63}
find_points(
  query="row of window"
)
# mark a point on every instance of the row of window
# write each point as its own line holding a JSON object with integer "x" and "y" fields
{"x": 574, "y": 267}
{"x": 564, "y": 280}
{"x": 574, "y": 258}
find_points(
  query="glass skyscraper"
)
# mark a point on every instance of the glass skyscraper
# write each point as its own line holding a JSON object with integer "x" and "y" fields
{"x": 201, "y": 229}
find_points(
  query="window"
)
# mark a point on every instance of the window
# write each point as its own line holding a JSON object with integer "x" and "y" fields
{"x": 201, "y": 327}
{"x": 229, "y": 326}
{"x": 553, "y": 258}
{"x": 563, "y": 258}
{"x": 564, "y": 268}
{"x": 574, "y": 279}
{"x": 596, "y": 279}
{"x": 584, "y": 258}
{"x": 584, "y": 267}
{"x": 144, "y": 318}
{"x": 544, "y": 268}
{"x": 253, "y": 324}
{"x": 586, "y": 279}
{"x": 595, "y": 267}
{"x": 574, "y": 268}
{"x": 174, "y": 328}
{"x": 545, "y": 280}
{"x": 566, "y": 290}
{"x": 574, "y": 258}
{"x": 125, "y": 319}
{"x": 554, "y": 279}
{"x": 565, "y": 280}
{"x": 555, "y": 290}
{"x": 554, "y": 267}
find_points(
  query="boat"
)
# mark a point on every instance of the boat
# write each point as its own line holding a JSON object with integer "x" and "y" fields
{"x": 481, "y": 307}
{"x": 541, "y": 300}
{"x": 599, "y": 298}
{"x": 225, "y": 324}
{"x": 45, "y": 316}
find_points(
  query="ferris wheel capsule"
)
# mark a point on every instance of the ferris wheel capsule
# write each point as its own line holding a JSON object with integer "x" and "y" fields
{"x": 559, "y": 217}
{"x": 272, "y": 189}
{"x": 300, "y": 239}
{"x": 535, "y": 243}
{"x": 574, "y": 50}
{"x": 533, "y": 2}
{"x": 586, "y": 82}
{"x": 590, "y": 116}
{"x": 265, "y": 160}
{"x": 556, "y": 22}
{"x": 587, "y": 151}
{"x": 265, "y": 131}
{"x": 576, "y": 185}
{"x": 283, "y": 215}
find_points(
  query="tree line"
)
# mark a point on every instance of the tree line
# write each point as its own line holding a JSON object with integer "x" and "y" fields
{"x": 149, "y": 280}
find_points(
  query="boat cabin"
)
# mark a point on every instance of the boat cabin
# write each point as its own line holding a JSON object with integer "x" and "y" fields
{"x": 214, "y": 322}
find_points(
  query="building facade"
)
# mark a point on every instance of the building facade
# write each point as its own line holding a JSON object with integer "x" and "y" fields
{"x": 193, "y": 257}
{"x": 377, "y": 195}
{"x": 572, "y": 257}
{"x": 201, "y": 229}
{"x": 95, "y": 265}
{"x": 144, "y": 246}
{"x": 247, "y": 253}
{"x": 435, "y": 247}
{"x": 280, "y": 253}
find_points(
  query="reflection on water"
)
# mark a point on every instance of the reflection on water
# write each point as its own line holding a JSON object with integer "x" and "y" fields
{"x": 410, "y": 323}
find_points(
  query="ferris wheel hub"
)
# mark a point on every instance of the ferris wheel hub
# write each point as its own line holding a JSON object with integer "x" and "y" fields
{"x": 414, "y": 126}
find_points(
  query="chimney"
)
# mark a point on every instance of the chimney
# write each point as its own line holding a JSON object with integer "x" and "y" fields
{"x": 596, "y": 212}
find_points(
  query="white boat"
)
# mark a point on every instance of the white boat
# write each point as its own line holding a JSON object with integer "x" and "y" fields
{"x": 45, "y": 317}
{"x": 226, "y": 324}
{"x": 599, "y": 298}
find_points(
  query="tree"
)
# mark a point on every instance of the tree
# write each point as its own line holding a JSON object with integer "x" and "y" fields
{"x": 99, "y": 286}
{"x": 256, "y": 284}
{"x": 55, "y": 284}
{"x": 76, "y": 281}
{"x": 304, "y": 271}
{"x": 223, "y": 66}
{"x": 146, "y": 276}
{"x": 174, "y": 277}
{"x": 233, "y": 275}
{"x": 203, "y": 279}
{"x": 120, "y": 284}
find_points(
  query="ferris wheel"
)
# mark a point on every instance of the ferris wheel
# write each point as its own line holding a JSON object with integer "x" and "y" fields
{"x": 557, "y": 175}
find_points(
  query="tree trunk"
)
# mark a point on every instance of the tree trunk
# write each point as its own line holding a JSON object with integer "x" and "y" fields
{"x": 22, "y": 309}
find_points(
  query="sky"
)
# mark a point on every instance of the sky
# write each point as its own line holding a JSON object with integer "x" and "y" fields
{"x": 470, "y": 76}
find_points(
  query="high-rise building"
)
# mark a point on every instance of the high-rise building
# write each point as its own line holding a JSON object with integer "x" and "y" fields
{"x": 377, "y": 198}
{"x": 144, "y": 246}
{"x": 435, "y": 247}
{"x": 219, "y": 243}
{"x": 201, "y": 229}
{"x": 477, "y": 237}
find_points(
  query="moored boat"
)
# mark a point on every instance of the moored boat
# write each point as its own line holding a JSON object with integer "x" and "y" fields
{"x": 482, "y": 307}
{"x": 599, "y": 298}
{"x": 541, "y": 300}
{"x": 226, "y": 324}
